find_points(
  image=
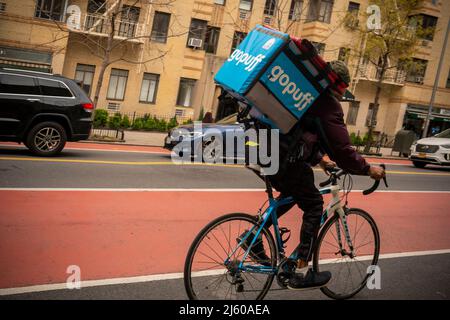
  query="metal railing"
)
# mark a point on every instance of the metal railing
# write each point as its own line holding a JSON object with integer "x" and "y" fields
{"x": 98, "y": 24}
{"x": 372, "y": 73}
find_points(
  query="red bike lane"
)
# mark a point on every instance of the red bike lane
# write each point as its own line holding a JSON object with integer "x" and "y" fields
{"x": 111, "y": 234}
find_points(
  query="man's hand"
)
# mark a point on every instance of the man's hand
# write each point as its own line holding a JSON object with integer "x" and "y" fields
{"x": 376, "y": 172}
{"x": 326, "y": 163}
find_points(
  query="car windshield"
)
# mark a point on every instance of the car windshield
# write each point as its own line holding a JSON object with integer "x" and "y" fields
{"x": 444, "y": 134}
{"x": 231, "y": 119}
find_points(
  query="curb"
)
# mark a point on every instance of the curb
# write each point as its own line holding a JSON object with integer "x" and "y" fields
{"x": 120, "y": 143}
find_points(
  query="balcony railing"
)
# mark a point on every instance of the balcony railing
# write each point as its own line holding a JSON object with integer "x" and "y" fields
{"x": 391, "y": 76}
{"x": 99, "y": 25}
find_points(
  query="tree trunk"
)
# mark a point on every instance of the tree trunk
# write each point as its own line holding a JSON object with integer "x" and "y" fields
{"x": 375, "y": 106}
{"x": 107, "y": 57}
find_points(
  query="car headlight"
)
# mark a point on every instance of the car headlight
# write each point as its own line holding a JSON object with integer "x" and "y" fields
{"x": 185, "y": 134}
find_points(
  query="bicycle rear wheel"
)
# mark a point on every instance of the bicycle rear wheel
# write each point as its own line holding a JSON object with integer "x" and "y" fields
{"x": 205, "y": 274}
{"x": 349, "y": 273}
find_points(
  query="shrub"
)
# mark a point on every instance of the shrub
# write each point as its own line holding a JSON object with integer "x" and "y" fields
{"x": 125, "y": 123}
{"x": 353, "y": 139}
{"x": 172, "y": 123}
{"x": 114, "y": 121}
{"x": 138, "y": 124}
{"x": 100, "y": 118}
{"x": 188, "y": 121}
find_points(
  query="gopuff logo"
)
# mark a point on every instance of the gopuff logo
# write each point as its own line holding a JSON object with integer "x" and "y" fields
{"x": 303, "y": 98}
{"x": 269, "y": 44}
{"x": 247, "y": 59}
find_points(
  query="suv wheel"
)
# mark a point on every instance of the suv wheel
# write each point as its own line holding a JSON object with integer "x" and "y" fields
{"x": 419, "y": 164}
{"x": 46, "y": 139}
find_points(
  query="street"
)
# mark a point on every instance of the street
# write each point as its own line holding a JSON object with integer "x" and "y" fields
{"x": 126, "y": 215}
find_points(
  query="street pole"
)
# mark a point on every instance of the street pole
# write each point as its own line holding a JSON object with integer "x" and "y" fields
{"x": 436, "y": 82}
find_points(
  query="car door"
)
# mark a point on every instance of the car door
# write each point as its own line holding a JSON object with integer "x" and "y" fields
{"x": 19, "y": 97}
{"x": 57, "y": 97}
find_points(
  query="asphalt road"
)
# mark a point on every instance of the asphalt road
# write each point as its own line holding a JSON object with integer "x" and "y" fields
{"x": 103, "y": 169}
{"x": 92, "y": 208}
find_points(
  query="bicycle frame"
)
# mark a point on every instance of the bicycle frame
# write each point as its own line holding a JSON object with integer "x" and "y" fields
{"x": 334, "y": 207}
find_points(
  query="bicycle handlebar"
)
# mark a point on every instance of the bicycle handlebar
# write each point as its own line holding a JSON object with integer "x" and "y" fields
{"x": 336, "y": 173}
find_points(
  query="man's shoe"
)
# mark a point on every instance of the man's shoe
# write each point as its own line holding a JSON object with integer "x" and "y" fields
{"x": 257, "y": 252}
{"x": 310, "y": 280}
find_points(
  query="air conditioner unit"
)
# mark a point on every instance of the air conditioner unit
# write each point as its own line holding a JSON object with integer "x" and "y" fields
{"x": 244, "y": 14}
{"x": 267, "y": 20}
{"x": 194, "y": 42}
{"x": 418, "y": 80}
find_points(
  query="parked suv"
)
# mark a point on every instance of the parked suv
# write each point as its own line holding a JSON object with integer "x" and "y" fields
{"x": 42, "y": 110}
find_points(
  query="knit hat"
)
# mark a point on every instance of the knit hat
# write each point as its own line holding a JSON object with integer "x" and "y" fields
{"x": 341, "y": 69}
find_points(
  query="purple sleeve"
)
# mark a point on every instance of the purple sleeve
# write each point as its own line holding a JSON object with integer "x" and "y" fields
{"x": 329, "y": 110}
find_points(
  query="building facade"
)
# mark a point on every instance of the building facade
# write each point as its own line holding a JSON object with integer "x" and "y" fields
{"x": 162, "y": 57}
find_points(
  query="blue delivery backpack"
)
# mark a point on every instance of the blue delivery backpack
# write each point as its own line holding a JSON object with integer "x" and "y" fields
{"x": 270, "y": 73}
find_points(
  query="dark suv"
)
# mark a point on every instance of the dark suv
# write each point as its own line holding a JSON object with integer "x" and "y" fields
{"x": 42, "y": 110}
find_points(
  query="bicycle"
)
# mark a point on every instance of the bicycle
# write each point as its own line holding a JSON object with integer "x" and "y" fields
{"x": 218, "y": 266}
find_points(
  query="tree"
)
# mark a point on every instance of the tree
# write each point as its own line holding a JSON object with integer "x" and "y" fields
{"x": 113, "y": 18}
{"x": 391, "y": 45}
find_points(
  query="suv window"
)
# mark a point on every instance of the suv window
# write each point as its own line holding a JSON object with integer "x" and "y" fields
{"x": 15, "y": 84}
{"x": 53, "y": 88}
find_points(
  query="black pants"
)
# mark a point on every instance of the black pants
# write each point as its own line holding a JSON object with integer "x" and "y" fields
{"x": 297, "y": 180}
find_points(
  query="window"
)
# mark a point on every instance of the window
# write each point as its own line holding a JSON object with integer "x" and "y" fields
{"x": 84, "y": 74}
{"x": 211, "y": 39}
{"x": 160, "y": 27}
{"x": 95, "y": 9}
{"x": 295, "y": 11}
{"x": 18, "y": 85}
{"x": 149, "y": 88}
{"x": 416, "y": 71}
{"x": 246, "y": 5}
{"x": 53, "y": 88}
{"x": 320, "y": 10}
{"x": 353, "y": 10}
{"x": 371, "y": 119}
{"x": 237, "y": 39}
{"x": 2, "y": 6}
{"x": 427, "y": 24}
{"x": 185, "y": 92}
{"x": 130, "y": 18}
{"x": 320, "y": 47}
{"x": 197, "y": 30}
{"x": 220, "y": 2}
{"x": 117, "y": 84}
{"x": 352, "y": 114}
{"x": 50, "y": 9}
{"x": 344, "y": 54}
{"x": 269, "y": 7}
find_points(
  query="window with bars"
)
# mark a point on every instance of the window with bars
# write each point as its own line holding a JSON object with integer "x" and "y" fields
{"x": 117, "y": 84}
{"x": 295, "y": 11}
{"x": 427, "y": 24}
{"x": 149, "y": 88}
{"x": 50, "y": 9}
{"x": 219, "y": 2}
{"x": 160, "y": 27}
{"x": 269, "y": 7}
{"x": 371, "y": 119}
{"x": 84, "y": 74}
{"x": 185, "y": 92}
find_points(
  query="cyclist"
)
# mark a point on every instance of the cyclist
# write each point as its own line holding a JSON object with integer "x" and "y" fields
{"x": 296, "y": 179}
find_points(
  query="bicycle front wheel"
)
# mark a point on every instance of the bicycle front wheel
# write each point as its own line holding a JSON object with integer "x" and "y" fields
{"x": 349, "y": 271}
{"x": 212, "y": 269}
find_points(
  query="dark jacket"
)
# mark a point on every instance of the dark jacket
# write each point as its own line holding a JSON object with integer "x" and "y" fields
{"x": 328, "y": 111}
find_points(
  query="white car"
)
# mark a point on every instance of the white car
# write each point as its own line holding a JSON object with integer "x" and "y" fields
{"x": 434, "y": 150}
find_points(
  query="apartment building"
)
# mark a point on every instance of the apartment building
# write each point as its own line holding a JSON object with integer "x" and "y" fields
{"x": 164, "y": 57}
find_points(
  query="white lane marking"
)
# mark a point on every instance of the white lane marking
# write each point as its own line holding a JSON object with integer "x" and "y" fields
{"x": 191, "y": 190}
{"x": 103, "y": 150}
{"x": 179, "y": 275}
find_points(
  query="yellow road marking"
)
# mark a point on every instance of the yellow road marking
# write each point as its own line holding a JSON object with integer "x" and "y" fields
{"x": 170, "y": 163}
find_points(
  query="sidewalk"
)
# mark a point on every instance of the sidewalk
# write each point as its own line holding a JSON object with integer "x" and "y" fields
{"x": 156, "y": 139}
